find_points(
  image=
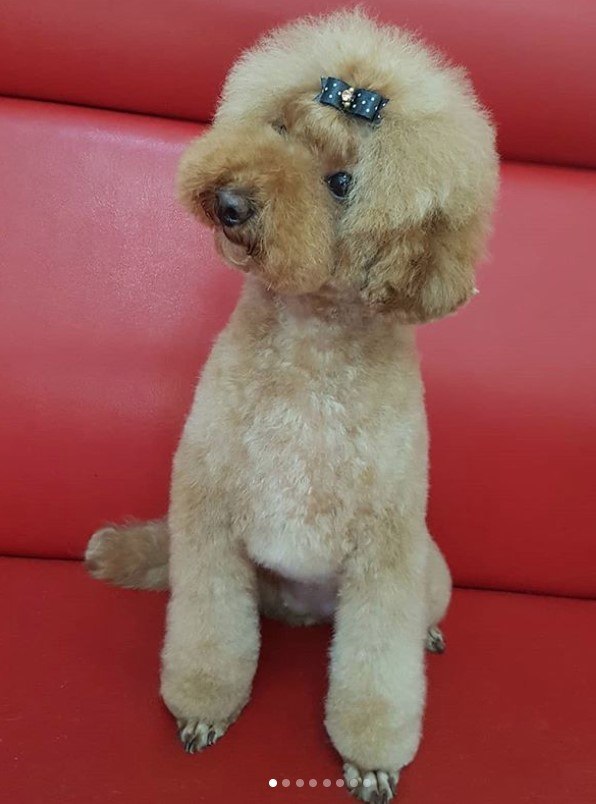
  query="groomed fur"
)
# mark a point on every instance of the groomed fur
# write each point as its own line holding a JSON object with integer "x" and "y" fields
{"x": 300, "y": 484}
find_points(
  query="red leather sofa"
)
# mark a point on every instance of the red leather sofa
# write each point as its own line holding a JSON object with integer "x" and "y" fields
{"x": 110, "y": 298}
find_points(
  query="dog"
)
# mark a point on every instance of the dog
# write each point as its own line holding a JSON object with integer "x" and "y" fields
{"x": 350, "y": 173}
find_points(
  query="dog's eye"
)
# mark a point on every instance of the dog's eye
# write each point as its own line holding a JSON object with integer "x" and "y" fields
{"x": 339, "y": 184}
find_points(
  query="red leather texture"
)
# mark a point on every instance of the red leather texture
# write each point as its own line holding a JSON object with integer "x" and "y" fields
{"x": 511, "y": 712}
{"x": 511, "y": 394}
{"x": 111, "y": 299}
{"x": 533, "y": 61}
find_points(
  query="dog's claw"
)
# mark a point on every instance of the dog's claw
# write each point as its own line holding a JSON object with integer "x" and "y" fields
{"x": 373, "y": 787}
{"x": 195, "y": 734}
{"x": 435, "y": 641}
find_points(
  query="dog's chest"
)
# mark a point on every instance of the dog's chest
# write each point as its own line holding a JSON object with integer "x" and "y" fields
{"x": 303, "y": 469}
{"x": 316, "y": 457}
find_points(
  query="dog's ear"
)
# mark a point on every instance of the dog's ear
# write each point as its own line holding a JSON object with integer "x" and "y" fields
{"x": 426, "y": 271}
{"x": 423, "y": 194}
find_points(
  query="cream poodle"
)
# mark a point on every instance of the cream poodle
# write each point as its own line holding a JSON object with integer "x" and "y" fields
{"x": 350, "y": 173}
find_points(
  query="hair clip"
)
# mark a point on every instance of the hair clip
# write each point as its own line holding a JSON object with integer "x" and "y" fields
{"x": 351, "y": 100}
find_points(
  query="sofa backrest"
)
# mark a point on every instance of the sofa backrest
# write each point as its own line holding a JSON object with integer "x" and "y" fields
{"x": 533, "y": 61}
{"x": 110, "y": 297}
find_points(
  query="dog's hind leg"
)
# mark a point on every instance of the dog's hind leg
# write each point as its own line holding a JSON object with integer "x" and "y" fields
{"x": 438, "y": 597}
{"x": 134, "y": 556}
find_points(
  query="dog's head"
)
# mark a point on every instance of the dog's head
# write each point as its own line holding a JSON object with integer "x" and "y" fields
{"x": 310, "y": 197}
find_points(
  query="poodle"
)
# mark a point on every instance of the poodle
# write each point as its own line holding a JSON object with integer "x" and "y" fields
{"x": 350, "y": 173}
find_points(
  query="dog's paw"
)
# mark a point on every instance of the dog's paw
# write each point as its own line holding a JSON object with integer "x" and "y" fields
{"x": 196, "y": 734}
{"x": 435, "y": 641}
{"x": 374, "y": 786}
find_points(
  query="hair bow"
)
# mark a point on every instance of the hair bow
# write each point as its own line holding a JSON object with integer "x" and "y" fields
{"x": 352, "y": 100}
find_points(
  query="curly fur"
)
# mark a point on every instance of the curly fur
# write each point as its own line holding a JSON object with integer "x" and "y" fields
{"x": 300, "y": 484}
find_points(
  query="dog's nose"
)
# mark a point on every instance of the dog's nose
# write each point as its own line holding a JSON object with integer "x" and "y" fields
{"x": 233, "y": 207}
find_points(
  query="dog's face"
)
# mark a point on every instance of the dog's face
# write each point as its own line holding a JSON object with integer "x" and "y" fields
{"x": 310, "y": 198}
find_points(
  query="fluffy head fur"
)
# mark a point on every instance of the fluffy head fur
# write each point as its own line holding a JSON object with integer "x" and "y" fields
{"x": 414, "y": 224}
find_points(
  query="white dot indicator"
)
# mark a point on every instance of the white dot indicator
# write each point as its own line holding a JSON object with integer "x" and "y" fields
{"x": 299, "y": 782}
{"x": 312, "y": 782}
{"x": 285, "y": 783}
{"x": 340, "y": 783}
{"x": 326, "y": 782}
{"x": 272, "y": 782}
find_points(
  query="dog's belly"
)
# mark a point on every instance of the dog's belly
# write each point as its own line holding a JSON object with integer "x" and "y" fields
{"x": 317, "y": 600}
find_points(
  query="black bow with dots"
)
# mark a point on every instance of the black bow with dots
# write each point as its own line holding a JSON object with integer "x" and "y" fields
{"x": 352, "y": 100}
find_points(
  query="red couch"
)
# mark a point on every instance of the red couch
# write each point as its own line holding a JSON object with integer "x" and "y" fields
{"x": 110, "y": 298}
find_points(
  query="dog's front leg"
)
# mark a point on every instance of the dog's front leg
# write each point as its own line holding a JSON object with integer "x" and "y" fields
{"x": 377, "y": 680}
{"x": 212, "y": 636}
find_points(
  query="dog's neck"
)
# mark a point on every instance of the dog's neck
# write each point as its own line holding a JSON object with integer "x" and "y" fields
{"x": 330, "y": 314}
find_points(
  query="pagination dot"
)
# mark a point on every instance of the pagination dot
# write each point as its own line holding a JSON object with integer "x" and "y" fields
{"x": 285, "y": 783}
{"x": 299, "y": 782}
{"x": 312, "y": 782}
{"x": 340, "y": 782}
{"x": 272, "y": 782}
{"x": 326, "y": 782}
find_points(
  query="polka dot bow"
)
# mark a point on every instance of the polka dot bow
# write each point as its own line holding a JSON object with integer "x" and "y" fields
{"x": 352, "y": 100}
